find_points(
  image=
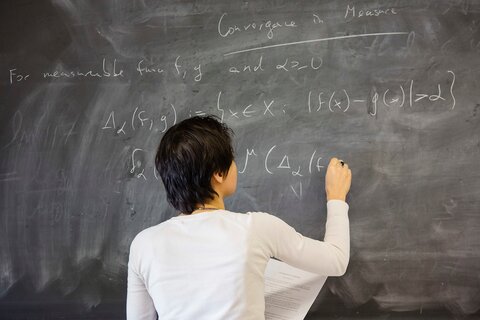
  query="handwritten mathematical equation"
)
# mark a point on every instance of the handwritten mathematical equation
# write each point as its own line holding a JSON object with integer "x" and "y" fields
{"x": 399, "y": 97}
{"x": 272, "y": 166}
{"x": 140, "y": 118}
{"x": 273, "y": 160}
{"x": 287, "y": 64}
{"x": 340, "y": 100}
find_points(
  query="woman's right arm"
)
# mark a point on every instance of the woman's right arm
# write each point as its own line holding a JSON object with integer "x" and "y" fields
{"x": 329, "y": 257}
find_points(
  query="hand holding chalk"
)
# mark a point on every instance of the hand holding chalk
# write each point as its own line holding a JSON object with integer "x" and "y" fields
{"x": 337, "y": 180}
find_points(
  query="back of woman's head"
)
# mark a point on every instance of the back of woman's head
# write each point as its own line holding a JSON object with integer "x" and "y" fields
{"x": 189, "y": 154}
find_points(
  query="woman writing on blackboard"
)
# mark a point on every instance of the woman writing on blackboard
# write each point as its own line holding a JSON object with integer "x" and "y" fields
{"x": 208, "y": 262}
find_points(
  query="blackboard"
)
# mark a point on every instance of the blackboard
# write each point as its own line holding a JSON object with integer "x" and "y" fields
{"x": 391, "y": 87}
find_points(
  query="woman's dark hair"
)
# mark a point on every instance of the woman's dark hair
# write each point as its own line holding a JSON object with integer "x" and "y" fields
{"x": 189, "y": 154}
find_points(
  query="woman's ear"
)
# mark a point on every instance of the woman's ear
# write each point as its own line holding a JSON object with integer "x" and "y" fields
{"x": 218, "y": 177}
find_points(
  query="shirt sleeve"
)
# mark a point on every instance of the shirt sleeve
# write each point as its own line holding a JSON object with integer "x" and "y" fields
{"x": 139, "y": 303}
{"x": 329, "y": 257}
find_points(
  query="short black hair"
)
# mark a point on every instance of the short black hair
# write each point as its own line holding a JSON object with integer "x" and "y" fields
{"x": 189, "y": 154}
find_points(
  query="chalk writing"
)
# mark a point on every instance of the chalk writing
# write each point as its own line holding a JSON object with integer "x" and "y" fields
{"x": 273, "y": 160}
{"x": 367, "y": 12}
{"x": 265, "y": 108}
{"x": 107, "y": 71}
{"x": 286, "y": 65}
{"x": 341, "y": 100}
{"x": 248, "y": 68}
{"x": 142, "y": 68}
{"x": 139, "y": 119}
{"x": 271, "y": 163}
{"x": 17, "y": 77}
{"x": 268, "y": 27}
{"x": 293, "y": 64}
{"x": 111, "y": 69}
{"x": 137, "y": 163}
{"x": 180, "y": 70}
{"x": 316, "y": 19}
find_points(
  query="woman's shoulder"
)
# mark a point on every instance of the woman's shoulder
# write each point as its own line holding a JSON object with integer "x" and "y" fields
{"x": 148, "y": 233}
{"x": 251, "y": 215}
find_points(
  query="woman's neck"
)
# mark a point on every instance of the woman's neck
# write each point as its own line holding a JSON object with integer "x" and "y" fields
{"x": 215, "y": 204}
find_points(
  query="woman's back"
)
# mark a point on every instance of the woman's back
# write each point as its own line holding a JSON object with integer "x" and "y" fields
{"x": 211, "y": 265}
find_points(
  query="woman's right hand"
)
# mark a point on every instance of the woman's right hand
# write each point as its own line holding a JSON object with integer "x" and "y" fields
{"x": 337, "y": 180}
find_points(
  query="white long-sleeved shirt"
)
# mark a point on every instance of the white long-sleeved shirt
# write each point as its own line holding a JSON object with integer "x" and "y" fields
{"x": 211, "y": 265}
